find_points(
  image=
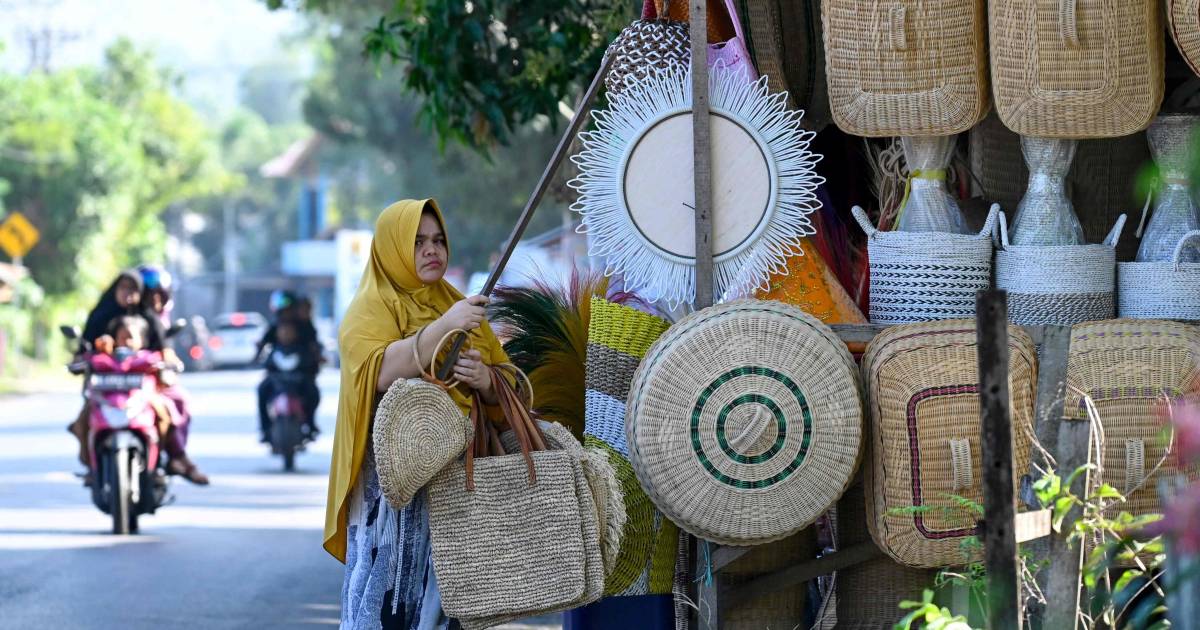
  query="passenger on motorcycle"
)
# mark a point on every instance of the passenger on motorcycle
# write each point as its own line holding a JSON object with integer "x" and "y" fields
{"x": 290, "y": 313}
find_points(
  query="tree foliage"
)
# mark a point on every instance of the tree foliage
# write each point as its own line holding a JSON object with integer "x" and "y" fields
{"x": 484, "y": 69}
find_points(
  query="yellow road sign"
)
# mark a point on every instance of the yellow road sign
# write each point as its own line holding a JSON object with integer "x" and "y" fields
{"x": 17, "y": 235}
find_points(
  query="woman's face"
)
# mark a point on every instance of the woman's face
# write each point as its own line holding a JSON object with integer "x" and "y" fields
{"x": 431, "y": 251}
{"x": 127, "y": 293}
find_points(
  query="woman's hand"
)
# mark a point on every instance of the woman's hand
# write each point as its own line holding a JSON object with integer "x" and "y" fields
{"x": 472, "y": 371}
{"x": 466, "y": 314}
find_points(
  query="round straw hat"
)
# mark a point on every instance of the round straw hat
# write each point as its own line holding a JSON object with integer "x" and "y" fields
{"x": 418, "y": 430}
{"x": 744, "y": 421}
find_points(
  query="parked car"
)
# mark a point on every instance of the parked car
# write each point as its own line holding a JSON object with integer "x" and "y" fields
{"x": 234, "y": 339}
{"x": 192, "y": 345}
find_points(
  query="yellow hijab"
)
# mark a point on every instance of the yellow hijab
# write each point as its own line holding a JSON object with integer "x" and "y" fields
{"x": 391, "y": 303}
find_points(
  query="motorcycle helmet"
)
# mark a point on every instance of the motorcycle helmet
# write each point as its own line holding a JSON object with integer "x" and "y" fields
{"x": 155, "y": 278}
{"x": 281, "y": 300}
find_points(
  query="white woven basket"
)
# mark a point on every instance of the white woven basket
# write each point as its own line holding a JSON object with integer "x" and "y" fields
{"x": 1158, "y": 290}
{"x": 926, "y": 276}
{"x": 1058, "y": 284}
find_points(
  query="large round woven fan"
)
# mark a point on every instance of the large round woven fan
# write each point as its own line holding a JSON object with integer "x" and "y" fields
{"x": 637, "y": 192}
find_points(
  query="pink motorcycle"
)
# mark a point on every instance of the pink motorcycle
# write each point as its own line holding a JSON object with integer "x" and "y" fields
{"x": 128, "y": 464}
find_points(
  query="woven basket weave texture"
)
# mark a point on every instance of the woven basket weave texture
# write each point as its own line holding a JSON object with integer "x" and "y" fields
{"x": 781, "y": 608}
{"x": 1161, "y": 290}
{"x": 744, "y": 421}
{"x": 906, "y": 68}
{"x": 922, "y": 384}
{"x": 795, "y": 63}
{"x": 1078, "y": 69}
{"x": 642, "y": 47}
{"x": 418, "y": 430}
{"x": 1183, "y": 21}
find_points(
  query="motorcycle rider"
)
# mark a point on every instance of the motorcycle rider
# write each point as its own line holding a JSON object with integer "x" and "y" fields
{"x": 290, "y": 313}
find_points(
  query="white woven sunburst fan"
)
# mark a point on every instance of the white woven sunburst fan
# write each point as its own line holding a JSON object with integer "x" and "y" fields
{"x": 637, "y": 195}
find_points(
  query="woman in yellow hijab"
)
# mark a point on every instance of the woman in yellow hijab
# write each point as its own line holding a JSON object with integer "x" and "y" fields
{"x": 389, "y": 579}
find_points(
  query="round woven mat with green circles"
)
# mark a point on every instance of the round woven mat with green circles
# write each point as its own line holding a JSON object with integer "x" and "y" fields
{"x": 744, "y": 421}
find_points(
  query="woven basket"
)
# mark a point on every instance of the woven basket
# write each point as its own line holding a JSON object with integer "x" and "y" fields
{"x": 1103, "y": 176}
{"x": 744, "y": 421}
{"x": 906, "y": 68}
{"x": 1078, "y": 68}
{"x": 1129, "y": 370}
{"x": 1161, "y": 290}
{"x": 644, "y": 46}
{"x": 1058, "y": 284}
{"x": 922, "y": 384}
{"x": 418, "y": 430}
{"x": 618, "y": 337}
{"x": 1183, "y": 19}
{"x": 869, "y": 594}
{"x": 781, "y": 608}
{"x": 793, "y": 64}
{"x": 925, "y": 276}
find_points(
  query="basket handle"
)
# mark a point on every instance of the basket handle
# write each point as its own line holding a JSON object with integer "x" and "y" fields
{"x": 1194, "y": 235}
{"x": 895, "y": 27}
{"x": 864, "y": 221}
{"x": 1114, "y": 235}
{"x": 522, "y": 378}
{"x": 989, "y": 225}
{"x": 1002, "y": 224}
{"x": 1068, "y": 23}
{"x": 453, "y": 382}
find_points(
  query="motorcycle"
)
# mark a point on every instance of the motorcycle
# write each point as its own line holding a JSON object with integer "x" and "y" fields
{"x": 128, "y": 464}
{"x": 286, "y": 407}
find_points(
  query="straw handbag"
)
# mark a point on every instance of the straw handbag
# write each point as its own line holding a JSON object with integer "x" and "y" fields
{"x": 925, "y": 276}
{"x": 1128, "y": 372}
{"x": 618, "y": 337}
{"x": 1076, "y": 68}
{"x": 744, "y": 421}
{"x": 418, "y": 430}
{"x": 906, "y": 68}
{"x": 1058, "y": 284}
{"x": 513, "y": 535}
{"x": 1183, "y": 17}
{"x": 922, "y": 384}
{"x": 1161, "y": 290}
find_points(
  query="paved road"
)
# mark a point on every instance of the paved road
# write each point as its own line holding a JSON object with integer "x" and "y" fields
{"x": 242, "y": 553}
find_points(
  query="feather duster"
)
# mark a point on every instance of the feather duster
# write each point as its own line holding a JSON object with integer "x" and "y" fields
{"x": 544, "y": 330}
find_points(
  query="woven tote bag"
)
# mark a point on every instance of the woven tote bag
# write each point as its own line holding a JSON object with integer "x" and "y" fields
{"x": 1076, "y": 68}
{"x": 1161, "y": 290}
{"x": 922, "y": 383}
{"x": 744, "y": 421}
{"x": 926, "y": 276}
{"x": 1128, "y": 371}
{"x": 907, "y": 67}
{"x": 418, "y": 430}
{"x": 618, "y": 337}
{"x": 1058, "y": 284}
{"x": 513, "y": 535}
{"x": 1183, "y": 19}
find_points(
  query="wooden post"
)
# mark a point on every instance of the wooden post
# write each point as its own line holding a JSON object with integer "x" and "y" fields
{"x": 999, "y": 536}
{"x": 708, "y": 598}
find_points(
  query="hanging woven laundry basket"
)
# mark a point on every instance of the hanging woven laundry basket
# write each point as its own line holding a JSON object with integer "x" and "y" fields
{"x": 744, "y": 421}
{"x": 922, "y": 383}
{"x": 1171, "y": 290}
{"x": 1129, "y": 372}
{"x": 1076, "y": 68}
{"x": 1183, "y": 20}
{"x": 1058, "y": 284}
{"x": 618, "y": 337}
{"x": 926, "y": 276}
{"x": 907, "y": 67}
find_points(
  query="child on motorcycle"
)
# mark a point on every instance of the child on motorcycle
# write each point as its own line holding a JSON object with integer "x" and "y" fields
{"x": 126, "y": 339}
{"x": 289, "y": 341}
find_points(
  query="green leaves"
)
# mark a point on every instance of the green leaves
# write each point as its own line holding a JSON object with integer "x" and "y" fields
{"x": 930, "y": 616}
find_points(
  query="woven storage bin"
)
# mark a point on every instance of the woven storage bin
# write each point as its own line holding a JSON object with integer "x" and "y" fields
{"x": 1078, "y": 69}
{"x": 744, "y": 421}
{"x": 922, "y": 383}
{"x": 618, "y": 337}
{"x": 1059, "y": 284}
{"x": 869, "y": 594}
{"x": 925, "y": 276}
{"x": 1129, "y": 370}
{"x": 1183, "y": 19}
{"x": 1161, "y": 290}
{"x": 906, "y": 68}
{"x": 782, "y": 608}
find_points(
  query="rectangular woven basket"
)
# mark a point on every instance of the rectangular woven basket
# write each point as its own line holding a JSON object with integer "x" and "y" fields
{"x": 1077, "y": 68}
{"x": 923, "y": 401}
{"x": 1129, "y": 371}
{"x": 907, "y": 67}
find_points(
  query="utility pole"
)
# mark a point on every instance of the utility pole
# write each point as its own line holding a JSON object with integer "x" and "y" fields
{"x": 229, "y": 303}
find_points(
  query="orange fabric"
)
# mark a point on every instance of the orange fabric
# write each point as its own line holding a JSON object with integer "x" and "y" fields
{"x": 811, "y": 285}
{"x": 720, "y": 28}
